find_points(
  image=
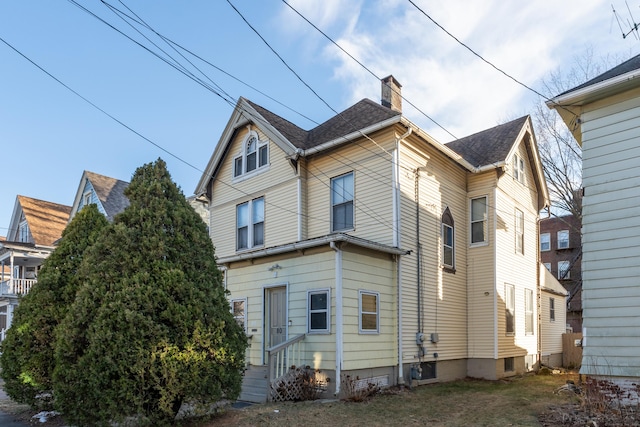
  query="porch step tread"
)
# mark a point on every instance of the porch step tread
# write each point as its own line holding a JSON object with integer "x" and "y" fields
{"x": 254, "y": 385}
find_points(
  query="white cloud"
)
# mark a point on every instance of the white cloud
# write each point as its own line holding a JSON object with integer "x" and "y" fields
{"x": 443, "y": 78}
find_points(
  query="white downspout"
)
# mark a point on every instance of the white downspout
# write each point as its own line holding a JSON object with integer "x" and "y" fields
{"x": 495, "y": 273}
{"x": 299, "y": 207}
{"x": 397, "y": 239}
{"x": 339, "y": 325}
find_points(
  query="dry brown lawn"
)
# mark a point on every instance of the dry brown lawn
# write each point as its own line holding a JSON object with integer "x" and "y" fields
{"x": 530, "y": 400}
{"x": 517, "y": 401}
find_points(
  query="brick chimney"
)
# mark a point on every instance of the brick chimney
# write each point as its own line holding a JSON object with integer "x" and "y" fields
{"x": 392, "y": 94}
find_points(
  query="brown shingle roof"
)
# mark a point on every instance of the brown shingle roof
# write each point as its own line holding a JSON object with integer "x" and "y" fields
{"x": 490, "y": 146}
{"x": 359, "y": 116}
{"x": 110, "y": 191}
{"x": 46, "y": 220}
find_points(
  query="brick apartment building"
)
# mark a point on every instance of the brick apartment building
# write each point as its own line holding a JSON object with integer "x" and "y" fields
{"x": 561, "y": 253}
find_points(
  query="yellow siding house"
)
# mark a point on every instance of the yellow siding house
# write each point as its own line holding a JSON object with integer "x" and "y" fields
{"x": 365, "y": 248}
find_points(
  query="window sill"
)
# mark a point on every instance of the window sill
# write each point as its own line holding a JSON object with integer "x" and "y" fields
{"x": 447, "y": 269}
{"x": 253, "y": 248}
{"x": 318, "y": 332}
{"x": 251, "y": 174}
{"x": 478, "y": 244}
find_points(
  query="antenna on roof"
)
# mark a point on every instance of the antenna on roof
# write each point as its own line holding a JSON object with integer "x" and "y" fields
{"x": 632, "y": 24}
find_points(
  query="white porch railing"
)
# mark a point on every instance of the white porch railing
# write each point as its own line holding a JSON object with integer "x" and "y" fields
{"x": 284, "y": 355}
{"x": 16, "y": 286}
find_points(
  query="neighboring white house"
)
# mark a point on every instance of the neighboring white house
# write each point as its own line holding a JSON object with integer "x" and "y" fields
{"x": 604, "y": 116}
{"x": 35, "y": 227}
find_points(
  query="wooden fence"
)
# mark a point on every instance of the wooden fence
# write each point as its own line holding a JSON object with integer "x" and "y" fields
{"x": 572, "y": 353}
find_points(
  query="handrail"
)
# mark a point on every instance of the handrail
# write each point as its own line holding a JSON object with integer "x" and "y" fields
{"x": 282, "y": 345}
{"x": 282, "y": 356}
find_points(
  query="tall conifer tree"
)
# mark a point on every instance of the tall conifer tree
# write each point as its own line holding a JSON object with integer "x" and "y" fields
{"x": 28, "y": 350}
{"x": 151, "y": 327}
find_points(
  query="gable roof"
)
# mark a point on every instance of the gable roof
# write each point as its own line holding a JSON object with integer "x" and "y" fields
{"x": 359, "y": 116}
{"x": 491, "y": 146}
{"x": 293, "y": 140}
{"x": 110, "y": 192}
{"x": 482, "y": 151}
{"x": 46, "y": 220}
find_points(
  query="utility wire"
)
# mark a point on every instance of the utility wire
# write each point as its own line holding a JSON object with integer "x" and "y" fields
{"x": 365, "y": 67}
{"x": 96, "y": 107}
{"x": 487, "y": 62}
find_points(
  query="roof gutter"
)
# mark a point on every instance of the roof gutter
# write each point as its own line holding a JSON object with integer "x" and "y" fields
{"x": 594, "y": 90}
{"x": 350, "y": 137}
{"x": 325, "y": 240}
{"x": 440, "y": 146}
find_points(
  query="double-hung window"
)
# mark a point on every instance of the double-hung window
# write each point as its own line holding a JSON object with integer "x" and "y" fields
{"x": 448, "y": 252}
{"x": 563, "y": 239}
{"x": 479, "y": 220}
{"x": 250, "y": 224}
{"x": 563, "y": 270}
{"x": 545, "y": 242}
{"x": 255, "y": 155}
{"x": 238, "y": 308}
{"x": 518, "y": 168}
{"x": 342, "y": 202}
{"x": 369, "y": 312}
{"x": 23, "y": 229}
{"x": 510, "y": 309}
{"x": 528, "y": 311}
{"x": 319, "y": 305}
{"x": 552, "y": 309}
{"x": 519, "y": 231}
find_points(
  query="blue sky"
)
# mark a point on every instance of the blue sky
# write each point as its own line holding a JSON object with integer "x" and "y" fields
{"x": 49, "y": 135}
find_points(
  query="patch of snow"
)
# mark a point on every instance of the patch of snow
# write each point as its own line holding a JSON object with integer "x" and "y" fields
{"x": 45, "y": 415}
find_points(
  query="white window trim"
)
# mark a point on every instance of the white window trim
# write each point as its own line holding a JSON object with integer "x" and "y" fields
{"x": 86, "y": 198}
{"x": 250, "y": 236}
{"x": 360, "y": 313}
{"x": 510, "y": 305}
{"x": 243, "y": 155}
{"x": 327, "y": 330}
{"x": 518, "y": 168}
{"x": 353, "y": 202}
{"x": 23, "y": 232}
{"x": 519, "y": 231}
{"x": 452, "y": 247}
{"x": 244, "y": 300}
{"x": 552, "y": 309}
{"x": 548, "y": 242}
{"x": 568, "y": 270}
{"x": 528, "y": 312}
{"x": 568, "y": 241}
{"x": 485, "y": 242}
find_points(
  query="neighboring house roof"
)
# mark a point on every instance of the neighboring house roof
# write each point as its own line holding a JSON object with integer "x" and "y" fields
{"x": 110, "y": 193}
{"x": 549, "y": 283}
{"x": 46, "y": 220}
{"x": 569, "y": 104}
{"x": 626, "y": 67}
{"x": 491, "y": 146}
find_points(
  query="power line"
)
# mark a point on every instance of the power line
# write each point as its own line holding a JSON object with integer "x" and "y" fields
{"x": 96, "y": 107}
{"x": 488, "y": 62}
{"x": 365, "y": 67}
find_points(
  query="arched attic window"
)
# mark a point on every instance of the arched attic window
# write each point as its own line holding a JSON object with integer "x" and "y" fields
{"x": 254, "y": 155}
{"x": 448, "y": 242}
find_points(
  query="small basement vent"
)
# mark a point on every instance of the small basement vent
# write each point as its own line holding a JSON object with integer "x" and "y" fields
{"x": 428, "y": 370}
